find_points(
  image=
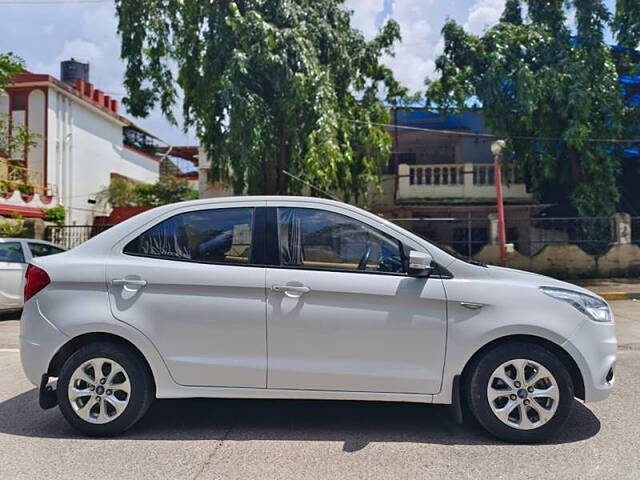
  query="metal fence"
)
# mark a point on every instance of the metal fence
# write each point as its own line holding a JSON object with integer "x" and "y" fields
{"x": 70, "y": 236}
{"x": 528, "y": 235}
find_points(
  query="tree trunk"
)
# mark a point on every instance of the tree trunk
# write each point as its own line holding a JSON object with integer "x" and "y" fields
{"x": 270, "y": 178}
{"x": 576, "y": 172}
{"x": 282, "y": 162}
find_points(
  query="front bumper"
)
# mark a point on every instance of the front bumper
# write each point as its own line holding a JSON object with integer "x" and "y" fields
{"x": 593, "y": 346}
{"x": 39, "y": 341}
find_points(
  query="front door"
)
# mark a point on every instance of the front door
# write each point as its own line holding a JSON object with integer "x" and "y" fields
{"x": 190, "y": 285}
{"x": 343, "y": 315}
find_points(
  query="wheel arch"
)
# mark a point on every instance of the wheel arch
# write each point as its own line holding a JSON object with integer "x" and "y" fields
{"x": 561, "y": 353}
{"x": 79, "y": 341}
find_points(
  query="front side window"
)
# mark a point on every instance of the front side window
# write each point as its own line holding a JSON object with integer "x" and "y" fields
{"x": 11, "y": 252}
{"x": 210, "y": 236}
{"x": 42, "y": 250}
{"x": 319, "y": 239}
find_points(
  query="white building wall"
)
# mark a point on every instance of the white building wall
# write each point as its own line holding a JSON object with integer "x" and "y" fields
{"x": 85, "y": 148}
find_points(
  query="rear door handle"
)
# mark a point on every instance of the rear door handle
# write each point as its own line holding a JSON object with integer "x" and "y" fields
{"x": 127, "y": 283}
{"x": 291, "y": 290}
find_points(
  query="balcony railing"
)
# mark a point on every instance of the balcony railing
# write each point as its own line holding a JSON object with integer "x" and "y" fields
{"x": 14, "y": 176}
{"x": 455, "y": 181}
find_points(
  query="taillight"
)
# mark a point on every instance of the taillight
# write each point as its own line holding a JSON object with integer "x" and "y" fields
{"x": 37, "y": 279}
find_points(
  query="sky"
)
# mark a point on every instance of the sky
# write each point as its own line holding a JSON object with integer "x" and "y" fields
{"x": 44, "y": 32}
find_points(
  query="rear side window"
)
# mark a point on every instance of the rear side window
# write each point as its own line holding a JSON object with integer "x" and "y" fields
{"x": 210, "y": 236}
{"x": 42, "y": 250}
{"x": 11, "y": 252}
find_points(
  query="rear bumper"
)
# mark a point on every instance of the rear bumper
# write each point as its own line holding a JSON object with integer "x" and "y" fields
{"x": 39, "y": 341}
{"x": 593, "y": 346}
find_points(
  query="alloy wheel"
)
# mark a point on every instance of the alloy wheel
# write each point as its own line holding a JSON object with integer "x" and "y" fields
{"x": 99, "y": 390}
{"x": 523, "y": 394}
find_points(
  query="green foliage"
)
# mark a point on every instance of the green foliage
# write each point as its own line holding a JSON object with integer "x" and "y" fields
{"x": 512, "y": 12}
{"x": 268, "y": 85}
{"x": 10, "y": 66}
{"x": 56, "y": 215}
{"x": 122, "y": 193}
{"x": 12, "y": 227}
{"x": 21, "y": 140}
{"x": 626, "y": 24}
{"x": 119, "y": 193}
{"x": 534, "y": 81}
{"x": 166, "y": 190}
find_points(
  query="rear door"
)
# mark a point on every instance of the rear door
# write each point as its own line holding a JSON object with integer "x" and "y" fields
{"x": 12, "y": 269}
{"x": 192, "y": 285}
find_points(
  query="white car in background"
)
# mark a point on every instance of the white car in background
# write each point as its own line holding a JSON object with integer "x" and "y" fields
{"x": 293, "y": 297}
{"x": 15, "y": 255}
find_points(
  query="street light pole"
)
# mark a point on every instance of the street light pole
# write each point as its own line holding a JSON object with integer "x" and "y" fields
{"x": 496, "y": 149}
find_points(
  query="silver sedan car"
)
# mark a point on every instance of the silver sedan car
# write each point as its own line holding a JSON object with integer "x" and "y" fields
{"x": 15, "y": 255}
{"x": 304, "y": 298}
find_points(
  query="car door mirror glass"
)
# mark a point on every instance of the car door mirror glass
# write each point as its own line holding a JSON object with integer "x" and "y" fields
{"x": 420, "y": 264}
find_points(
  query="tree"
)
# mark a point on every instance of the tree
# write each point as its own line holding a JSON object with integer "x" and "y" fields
{"x": 626, "y": 24}
{"x": 17, "y": 144}
{"x": 10, "y": 66}
{"x": 269, "y": 85}
{"x": 21, "y": 140}
{"x": 122, "y": 193}
{"x": 626, "y": 28}
{"x": 548, "y": 93}
{"x": 512, "y": 12}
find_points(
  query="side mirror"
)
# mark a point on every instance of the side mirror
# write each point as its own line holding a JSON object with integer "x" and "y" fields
{"x": 420, "y": 264}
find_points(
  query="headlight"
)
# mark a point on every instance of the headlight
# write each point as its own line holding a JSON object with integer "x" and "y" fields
{"x": 592, "y": 307}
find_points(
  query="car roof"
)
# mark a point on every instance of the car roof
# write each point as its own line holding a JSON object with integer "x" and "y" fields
{"x": 104, "y": 242}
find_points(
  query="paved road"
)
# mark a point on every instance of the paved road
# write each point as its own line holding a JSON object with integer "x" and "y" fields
{"x": 334, "y": 440}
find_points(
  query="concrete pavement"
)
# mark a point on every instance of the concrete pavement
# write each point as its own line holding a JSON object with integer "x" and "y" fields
{"x": 613, "y": 288}
{"x": 303, "y": 439}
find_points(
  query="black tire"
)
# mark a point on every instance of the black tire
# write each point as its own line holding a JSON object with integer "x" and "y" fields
{"x": 142, "y": 387}
{"x": 478, "y": 377}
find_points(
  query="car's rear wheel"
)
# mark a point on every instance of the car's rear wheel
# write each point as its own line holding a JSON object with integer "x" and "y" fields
{"x": 520, "y": 392}
{"x": 104, "y": 389}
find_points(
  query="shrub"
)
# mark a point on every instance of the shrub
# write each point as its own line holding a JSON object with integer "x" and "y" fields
{"x": 56, "y": 215}
{"x": 12, "y": 227}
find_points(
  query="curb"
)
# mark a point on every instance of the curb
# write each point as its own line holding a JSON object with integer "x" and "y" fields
{"x": 619, "y": 295}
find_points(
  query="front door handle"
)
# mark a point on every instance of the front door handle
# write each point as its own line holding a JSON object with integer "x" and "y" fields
{"x": 471, "y": 305}
{"x": 292, "y": 291}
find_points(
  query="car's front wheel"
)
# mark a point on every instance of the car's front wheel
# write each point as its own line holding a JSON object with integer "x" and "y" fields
{"x": 520, "y": 392}
{"x": 104, "y": 388}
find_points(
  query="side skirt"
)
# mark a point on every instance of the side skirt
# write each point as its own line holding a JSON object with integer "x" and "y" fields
{"x": 266, "y": 393}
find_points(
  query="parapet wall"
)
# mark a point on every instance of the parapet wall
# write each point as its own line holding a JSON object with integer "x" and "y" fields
{"x": 570, "y": 261}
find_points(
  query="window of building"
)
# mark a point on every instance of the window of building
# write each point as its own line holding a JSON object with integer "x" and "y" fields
{"x": 19, "y": 101}
{"x": 312, "y": 238}
{"x": 209, "y": 236}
